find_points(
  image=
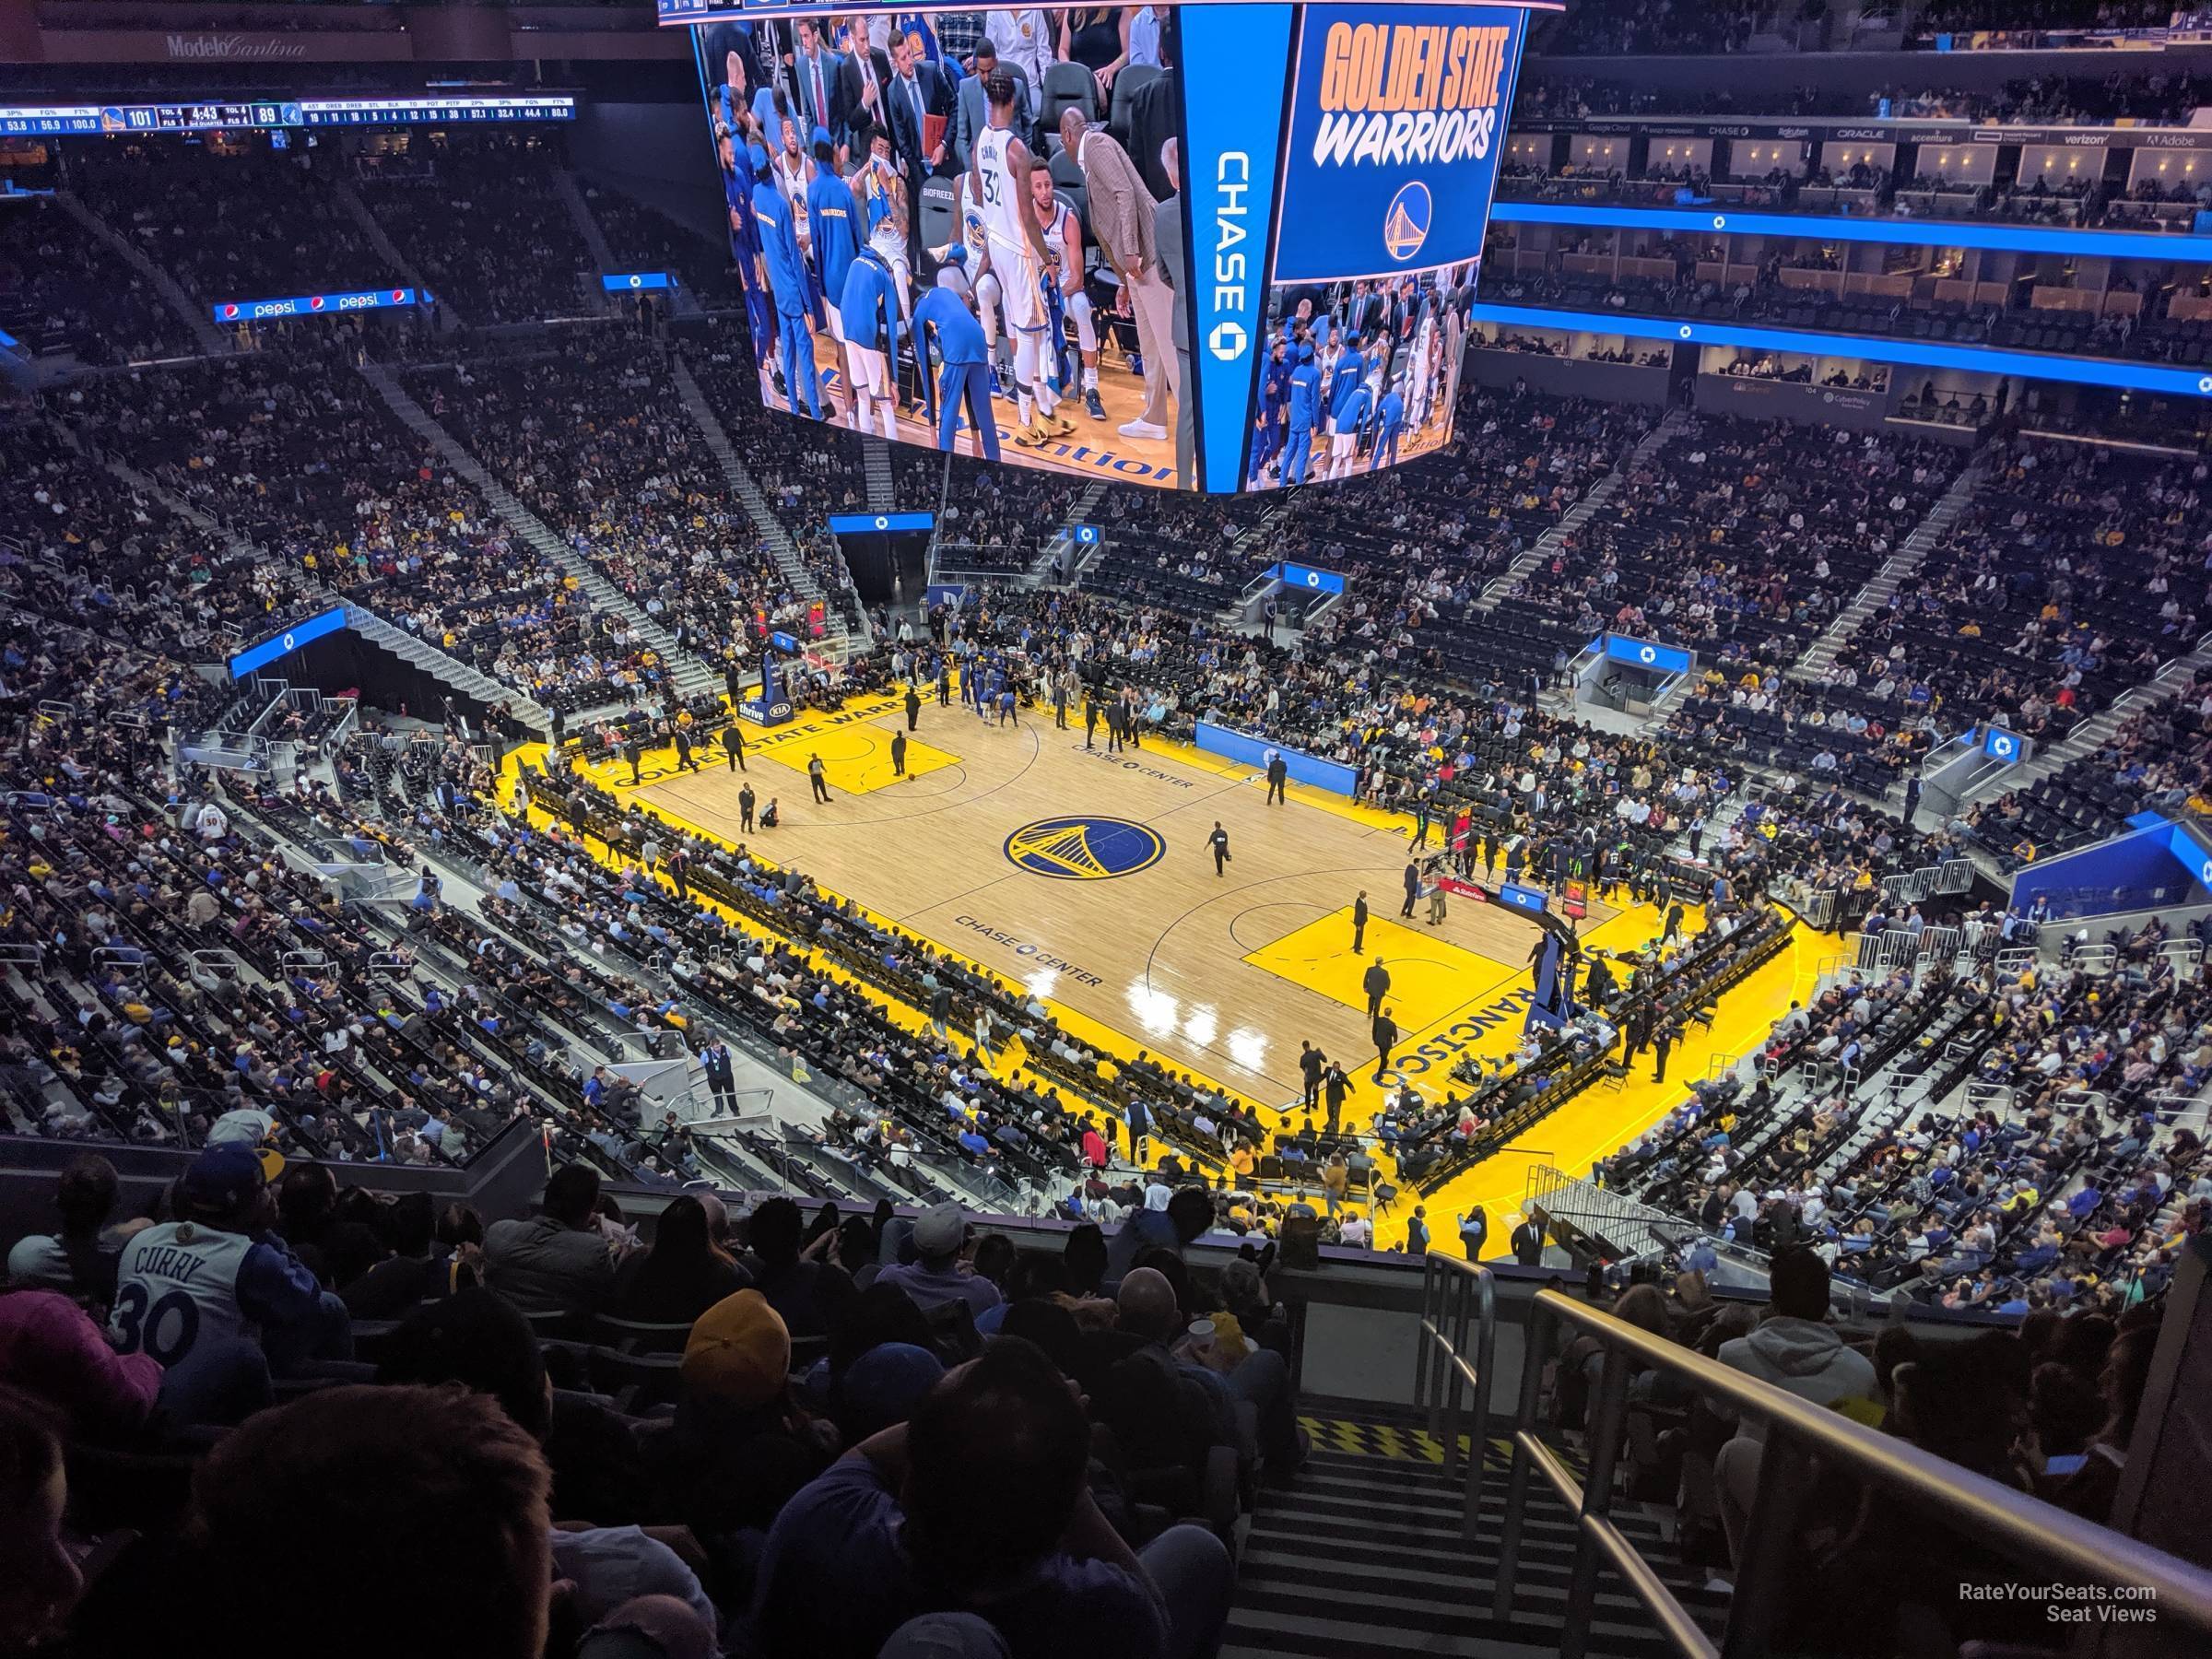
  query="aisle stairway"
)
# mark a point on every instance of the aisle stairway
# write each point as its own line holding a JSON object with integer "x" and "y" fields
{"x": 1540, "y": 550}
{"x": 883, "y": 489}
{"x": 688, "y": 671}
{"x": 1905, "y": 562}
{"x": 1360, "y": 1554}
{"x": 774, "y": 536}
{"x": 365, "y": 221}
{"x": 193, "y": 315}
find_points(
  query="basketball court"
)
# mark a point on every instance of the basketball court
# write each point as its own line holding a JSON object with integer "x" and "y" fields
{"x": 1087, "y": 878}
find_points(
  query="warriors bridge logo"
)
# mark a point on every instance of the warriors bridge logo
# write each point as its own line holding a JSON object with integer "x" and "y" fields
{"x": 1085, "y": 848}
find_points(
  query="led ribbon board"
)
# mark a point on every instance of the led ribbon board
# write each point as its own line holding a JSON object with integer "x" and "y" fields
{"x": 317, "y": 305}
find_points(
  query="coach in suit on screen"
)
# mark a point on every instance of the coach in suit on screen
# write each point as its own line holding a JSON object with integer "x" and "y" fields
{"x": 864, "y": 76}
{"x": 818, "y": 75}
{"x": 972, "y": 115}
{"x": 915, "y": 92}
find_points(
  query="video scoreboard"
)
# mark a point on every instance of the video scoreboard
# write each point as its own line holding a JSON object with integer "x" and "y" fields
{"x": 1333, "y": 168}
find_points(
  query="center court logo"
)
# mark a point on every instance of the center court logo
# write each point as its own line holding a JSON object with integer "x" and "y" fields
{"x": 1406, "y": 221}
{"x": 1084, "y": 849}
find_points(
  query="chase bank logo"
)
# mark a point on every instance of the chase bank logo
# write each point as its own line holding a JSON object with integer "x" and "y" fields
{"x": 1405, "y": 221}
{"x": 1084, "y": 849}
{"x": 1228, "y": 340}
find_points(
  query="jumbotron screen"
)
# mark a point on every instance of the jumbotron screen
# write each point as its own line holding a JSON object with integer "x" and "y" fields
{"x": 1212, "y": 246}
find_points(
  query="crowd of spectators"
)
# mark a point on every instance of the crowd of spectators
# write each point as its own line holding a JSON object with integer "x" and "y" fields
{"x": 1620, "y": 28}
{"x": 62, "y": 287}
{"x": 2147, "y": 330}
{"x": 2057, "y": 1178}
{"x": 480, "y": 216}
{"x": 2159, "y": 98}
{"x": 1869, "y": 189}
{"x": 641, "y": 238}
{"x": 841, "y": 1435}
{"x": 590, "y": 435}
{"x": 295, "y": 454}
{"x": 2071, "y": 576}
{"x": 248, "y": 223}
{"x": 1741, "y": 539}
{"x": 2156, "y": 760}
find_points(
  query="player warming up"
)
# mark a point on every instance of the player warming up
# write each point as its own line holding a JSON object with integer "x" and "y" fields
{"x": 1000, "y": 170}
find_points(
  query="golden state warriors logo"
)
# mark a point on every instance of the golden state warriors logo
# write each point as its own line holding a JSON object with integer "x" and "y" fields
{"x": 1084, "y": 849}
{"x": 1406, "y": 221}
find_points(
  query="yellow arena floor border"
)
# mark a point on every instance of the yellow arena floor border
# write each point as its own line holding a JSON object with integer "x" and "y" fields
{"x": 1458, "y": 991}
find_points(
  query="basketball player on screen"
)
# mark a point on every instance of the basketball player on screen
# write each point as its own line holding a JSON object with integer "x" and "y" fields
{"x": 999, "y": 167}
{"x": 1064, "y": 255}
{"x": 983, "y": 281}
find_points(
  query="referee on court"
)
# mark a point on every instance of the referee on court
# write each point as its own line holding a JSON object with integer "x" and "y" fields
{"x": 1219, "y": 842}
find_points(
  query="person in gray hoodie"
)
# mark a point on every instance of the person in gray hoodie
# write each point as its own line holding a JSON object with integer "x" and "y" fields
{"x": 1795, "y": 1350}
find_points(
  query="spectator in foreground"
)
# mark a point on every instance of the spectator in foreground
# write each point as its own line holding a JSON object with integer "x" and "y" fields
{"x": 807, "y": 1295}
{"x": 78, "y": 1261}
{"x": 559, "y": 1261}
{"x": 428, "y": 1504}
{"x": 1187, "y": 1212}
{"x": 220, "y": 1278}
{"x": 739, "y": 1447}
{"x": 938, "y": 1274}
{"x": 1795, "y": 1348}
{"x": 39, "y": 1579}
{"x": 683, "y": 1275}
{"x": 52, "y": 1351}
{"x": 975, "y": 1516}
{"x": 481, "y": 1341}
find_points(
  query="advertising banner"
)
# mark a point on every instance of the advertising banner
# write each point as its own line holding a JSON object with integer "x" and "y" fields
{"x": 316, "y": 305}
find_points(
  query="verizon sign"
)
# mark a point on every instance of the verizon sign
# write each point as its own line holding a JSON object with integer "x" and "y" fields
{"x": 233, "y": 48}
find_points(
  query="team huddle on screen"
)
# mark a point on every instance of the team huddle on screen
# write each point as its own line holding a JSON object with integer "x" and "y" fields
{"x": 931, "y": 239}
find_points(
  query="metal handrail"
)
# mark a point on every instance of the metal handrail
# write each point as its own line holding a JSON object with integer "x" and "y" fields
{"x": 2024, "y": 1529}
{"x": 1454, "y": 1295}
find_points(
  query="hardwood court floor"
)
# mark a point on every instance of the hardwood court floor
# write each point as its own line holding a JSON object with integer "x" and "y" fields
{"x": 1221, "y": 975}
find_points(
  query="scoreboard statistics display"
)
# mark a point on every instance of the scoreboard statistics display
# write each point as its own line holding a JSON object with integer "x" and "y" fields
{"x": 1295, "y": 312}
{"x": 58, "y": 120}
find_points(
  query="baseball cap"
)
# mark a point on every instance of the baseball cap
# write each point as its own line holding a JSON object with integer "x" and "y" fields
{"x": 940, "y": 1229}
{"x": 885, "y": 1384}
{"x": 740, "y": 1351}
{"x": 224, "y": 1176}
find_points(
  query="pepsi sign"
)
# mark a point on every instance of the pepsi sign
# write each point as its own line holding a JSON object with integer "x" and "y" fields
{"x": 312, "y": 305}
